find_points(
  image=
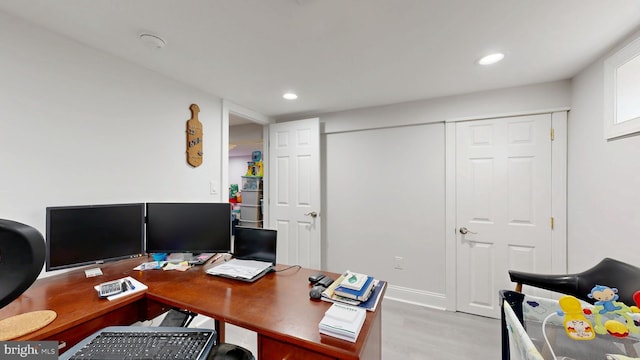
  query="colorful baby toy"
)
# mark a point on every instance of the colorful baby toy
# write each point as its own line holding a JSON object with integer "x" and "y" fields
{"x": 606, "y": 308}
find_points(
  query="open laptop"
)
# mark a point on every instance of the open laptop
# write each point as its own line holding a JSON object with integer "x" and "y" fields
{"x": 254, "y": 255}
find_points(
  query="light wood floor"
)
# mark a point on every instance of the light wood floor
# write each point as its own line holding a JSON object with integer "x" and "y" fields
{"x": 412, "y": 332}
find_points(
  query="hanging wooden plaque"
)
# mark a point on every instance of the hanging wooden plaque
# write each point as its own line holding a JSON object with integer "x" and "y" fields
{"x": 194, "y": 137}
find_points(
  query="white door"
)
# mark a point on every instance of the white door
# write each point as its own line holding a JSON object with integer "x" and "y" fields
{"x": 503, "y": 206}
{"x": 294, "y": 191}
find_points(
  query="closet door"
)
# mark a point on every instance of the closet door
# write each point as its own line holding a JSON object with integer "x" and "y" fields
{"x": 503, "y": 206}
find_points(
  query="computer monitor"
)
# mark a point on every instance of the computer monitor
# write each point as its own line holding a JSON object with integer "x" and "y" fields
{"x": 188, "y": 228}
{"x": 255, "y": 244}
{"x": 92, "y": 234}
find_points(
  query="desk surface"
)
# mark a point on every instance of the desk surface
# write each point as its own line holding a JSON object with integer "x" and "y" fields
{"x": 276, "y": 306}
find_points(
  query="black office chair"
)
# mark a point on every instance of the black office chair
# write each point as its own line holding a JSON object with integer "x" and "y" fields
{"x": 608, "y": 272}
{"x": 22, "y": 254}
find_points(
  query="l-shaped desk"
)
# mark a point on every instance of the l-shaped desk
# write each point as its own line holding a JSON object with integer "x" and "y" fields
{"x": 277, "y": 307}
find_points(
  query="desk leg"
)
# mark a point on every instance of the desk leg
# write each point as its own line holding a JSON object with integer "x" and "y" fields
{"x": 219, "y": 326}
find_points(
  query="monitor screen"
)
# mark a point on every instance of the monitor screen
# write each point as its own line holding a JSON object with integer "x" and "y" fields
{"x": 188, "y": 227}
{"x": 255, "y": 244}
{"x": 91, "y": 234}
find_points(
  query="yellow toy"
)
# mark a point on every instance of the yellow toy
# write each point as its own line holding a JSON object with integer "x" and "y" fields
{"x": 259, "y": 170}
{"x": 575, "y": 323}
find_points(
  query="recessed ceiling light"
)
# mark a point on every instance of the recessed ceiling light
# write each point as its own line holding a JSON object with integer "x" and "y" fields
{"x": 491, "y": 59}
{"x": 153, "y": 41}
{"x": 290, "y": 96}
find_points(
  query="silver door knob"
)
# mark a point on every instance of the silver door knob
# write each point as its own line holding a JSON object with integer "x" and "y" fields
{"x": 464, "y": 231}
{"x": 313, "y": 214}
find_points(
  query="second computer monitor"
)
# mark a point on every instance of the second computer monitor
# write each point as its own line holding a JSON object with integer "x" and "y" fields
{"x": 255, "y": 244}
{"x": 188, "y": 228}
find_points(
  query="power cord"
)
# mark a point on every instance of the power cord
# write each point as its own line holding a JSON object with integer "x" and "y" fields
{"x": 544, "y": 334}
{"x": 289, "y": 267}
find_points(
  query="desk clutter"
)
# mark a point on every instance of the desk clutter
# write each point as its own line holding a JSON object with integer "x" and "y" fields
{"x": 350, "y": 288}
{"x": 116, "y": 289}
{"x": 164, "y": 265}
{"x": 352, "y": 294}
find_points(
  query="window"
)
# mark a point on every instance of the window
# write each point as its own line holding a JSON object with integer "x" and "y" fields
{"x": 622, "y": 91}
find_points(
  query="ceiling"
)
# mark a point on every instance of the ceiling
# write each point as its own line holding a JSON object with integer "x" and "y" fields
{"x": 338, "y": 55}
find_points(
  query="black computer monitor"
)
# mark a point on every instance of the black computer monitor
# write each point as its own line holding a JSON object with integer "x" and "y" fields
{"x": 93, "y": 234}
{"x": 188, "y": 228}
{"x": 255, "y": 244}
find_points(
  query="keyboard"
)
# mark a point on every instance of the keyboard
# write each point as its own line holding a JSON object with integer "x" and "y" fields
{"x": 142, "y": 343}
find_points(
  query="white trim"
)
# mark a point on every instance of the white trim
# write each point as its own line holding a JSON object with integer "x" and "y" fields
{"x": 612, "y": 127}
{"x": 559, "y": 192}
{"x": 509, "y": 114}
{"x": 246, "y": 113}
{"x": 450, "y": 216}
{"x": 229, "y": 107}
{"x": 417, "y": 297}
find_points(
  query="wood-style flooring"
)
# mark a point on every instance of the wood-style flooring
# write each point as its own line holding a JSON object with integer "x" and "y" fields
{"x": 412, "y": 332}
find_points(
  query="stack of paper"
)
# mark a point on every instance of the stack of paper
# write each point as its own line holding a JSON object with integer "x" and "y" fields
{"x": 343, "y": 321}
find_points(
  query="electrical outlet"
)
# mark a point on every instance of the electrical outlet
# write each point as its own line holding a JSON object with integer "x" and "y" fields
{"x": 399, "y": 263}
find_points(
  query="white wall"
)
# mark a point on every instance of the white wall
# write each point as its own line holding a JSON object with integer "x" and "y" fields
{"x": 603, "y": 180}
{"x": 384, "y": 185}
{"x": 385, "y": 198}
{"x": 81, "y": 127}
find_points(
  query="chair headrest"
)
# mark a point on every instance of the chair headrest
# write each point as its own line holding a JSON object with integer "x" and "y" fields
{"x": 22, "y": 255}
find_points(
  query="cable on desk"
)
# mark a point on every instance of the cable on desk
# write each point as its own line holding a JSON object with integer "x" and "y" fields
{"x": 290, "y": 267}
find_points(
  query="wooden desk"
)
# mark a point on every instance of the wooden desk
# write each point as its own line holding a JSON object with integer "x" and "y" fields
{"x": 276, "y": 307}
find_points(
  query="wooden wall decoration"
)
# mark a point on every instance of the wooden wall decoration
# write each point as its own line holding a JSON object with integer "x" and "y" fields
{"x": 194, "y": 137}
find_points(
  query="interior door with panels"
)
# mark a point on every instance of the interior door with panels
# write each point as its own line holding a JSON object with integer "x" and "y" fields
{"x": 294, "y": 191}
{"x": 503, "y": 206}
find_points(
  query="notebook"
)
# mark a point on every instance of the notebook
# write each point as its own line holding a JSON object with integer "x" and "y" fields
{"x": 254, "y": 255}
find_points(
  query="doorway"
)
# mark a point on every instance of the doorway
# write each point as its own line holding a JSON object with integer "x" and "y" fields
{"x": 243, "y": 132}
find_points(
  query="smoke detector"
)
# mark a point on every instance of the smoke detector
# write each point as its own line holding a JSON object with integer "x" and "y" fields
{"x": 153, "y": 41}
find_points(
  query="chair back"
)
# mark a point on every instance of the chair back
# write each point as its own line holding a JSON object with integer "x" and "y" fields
{"x": 22, "y": 255}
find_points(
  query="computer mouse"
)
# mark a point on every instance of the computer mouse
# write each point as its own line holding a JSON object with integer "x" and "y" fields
{"x": 316, "y": 292}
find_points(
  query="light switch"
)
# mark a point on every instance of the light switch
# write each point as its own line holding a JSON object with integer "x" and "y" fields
{"x": 213, "y": 187}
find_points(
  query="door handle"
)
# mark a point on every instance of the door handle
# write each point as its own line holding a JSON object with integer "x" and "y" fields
{"x": 464, "y": 231}
{"x": 313, "y": 214}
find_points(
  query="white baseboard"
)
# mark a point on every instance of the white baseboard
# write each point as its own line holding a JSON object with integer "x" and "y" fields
{"x": 417, "y": 297}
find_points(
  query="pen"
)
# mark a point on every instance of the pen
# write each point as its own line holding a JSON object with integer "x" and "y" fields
{"x": 216, "y": 258}
{"x": 131, "y": 287}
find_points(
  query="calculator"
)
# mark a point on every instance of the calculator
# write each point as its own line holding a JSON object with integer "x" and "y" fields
{"x": 110, "y": 288}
